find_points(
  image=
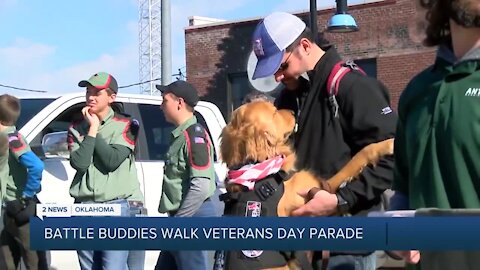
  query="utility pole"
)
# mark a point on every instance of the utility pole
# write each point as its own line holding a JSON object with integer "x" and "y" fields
{"x": 313, "y": 20}
{"x": 150, "y": 43}
{"x": 166, "y": 43}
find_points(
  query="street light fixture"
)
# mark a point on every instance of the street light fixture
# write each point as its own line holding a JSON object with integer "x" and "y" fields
{"x": 342, "y": 22}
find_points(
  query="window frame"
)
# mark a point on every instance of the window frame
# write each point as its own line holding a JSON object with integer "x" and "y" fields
{"x": 143, "y": 144}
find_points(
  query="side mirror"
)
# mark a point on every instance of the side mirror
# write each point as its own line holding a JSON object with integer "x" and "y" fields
{"x": 55, "y": 145}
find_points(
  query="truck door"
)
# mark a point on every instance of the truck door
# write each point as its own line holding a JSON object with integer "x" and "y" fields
{"x": 152, "y": 144}
{"x": 154, "y": 140}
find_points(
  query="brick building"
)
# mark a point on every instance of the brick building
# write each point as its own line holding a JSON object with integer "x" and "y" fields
{"x": 388, "y": 46}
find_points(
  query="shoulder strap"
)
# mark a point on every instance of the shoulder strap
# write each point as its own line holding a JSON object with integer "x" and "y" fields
{"x": 338, "y": 72}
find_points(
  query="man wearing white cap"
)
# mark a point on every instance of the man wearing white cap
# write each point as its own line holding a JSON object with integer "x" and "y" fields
{"x": 332, "y": 126}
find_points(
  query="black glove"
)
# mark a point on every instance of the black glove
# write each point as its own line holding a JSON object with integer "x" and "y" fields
{"x": 21, "y": 210}
{"x": 14, "y": 207}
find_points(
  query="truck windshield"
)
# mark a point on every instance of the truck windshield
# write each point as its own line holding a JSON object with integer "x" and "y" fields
{"x": 31, "y": 107}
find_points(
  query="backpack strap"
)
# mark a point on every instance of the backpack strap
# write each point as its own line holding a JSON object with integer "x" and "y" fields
{"x": 333, "y": 83}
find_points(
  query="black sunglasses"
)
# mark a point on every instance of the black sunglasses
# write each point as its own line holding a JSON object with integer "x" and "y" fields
{"x": 284, "y": 65}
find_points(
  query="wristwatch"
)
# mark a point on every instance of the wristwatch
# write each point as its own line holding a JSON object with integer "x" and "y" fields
{"x": 342, "y": 205}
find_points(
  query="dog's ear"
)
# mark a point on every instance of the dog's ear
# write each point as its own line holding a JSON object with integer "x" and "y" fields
{"x": 255, "y": 133}
{"x": 259, "y": 144}
{"x": 270, "y": 138}
{"x": 243, "y": 144}
{"x": 243, "y": 140}
{"x": 232, "y": 146}
{"x": 285, "y": 120}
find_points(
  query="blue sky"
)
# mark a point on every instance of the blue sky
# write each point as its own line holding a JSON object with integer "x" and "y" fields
{"x": 53, "y": 44}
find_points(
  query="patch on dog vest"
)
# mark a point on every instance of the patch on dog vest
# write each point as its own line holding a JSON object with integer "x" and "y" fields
{"x": 253, "y": 209}
{"x": 252, "y": 253}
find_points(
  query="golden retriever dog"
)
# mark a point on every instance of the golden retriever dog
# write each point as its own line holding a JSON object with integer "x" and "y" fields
{"x": 258, "y": 132}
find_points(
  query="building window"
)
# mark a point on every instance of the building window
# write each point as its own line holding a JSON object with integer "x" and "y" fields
{"x": 157, "y": 132}
{"x": 369, "y": 66}
{"x": 238, "y": 88}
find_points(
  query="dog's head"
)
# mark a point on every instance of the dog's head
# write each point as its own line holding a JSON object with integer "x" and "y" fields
{"x": 257, "y": 131}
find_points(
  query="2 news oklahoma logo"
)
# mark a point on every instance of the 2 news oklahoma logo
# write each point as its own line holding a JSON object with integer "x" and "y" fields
{"x": 253, "y": 209}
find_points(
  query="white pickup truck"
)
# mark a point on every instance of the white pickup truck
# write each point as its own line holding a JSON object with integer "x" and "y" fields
{"x": 44, "y": 120}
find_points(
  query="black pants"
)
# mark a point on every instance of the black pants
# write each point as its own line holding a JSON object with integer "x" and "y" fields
{"x": 15, "y": 245}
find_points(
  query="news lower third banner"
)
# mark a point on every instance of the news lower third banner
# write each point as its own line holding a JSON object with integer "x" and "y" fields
{"x": 241, "y": 233}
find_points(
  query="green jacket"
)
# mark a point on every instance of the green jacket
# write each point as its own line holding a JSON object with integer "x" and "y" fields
{"x": 186, "y": 159}
{"x": 4, "y": 168}
{"x": 24, "y": 167}
{"x": 437, "y": 146}
{"x": 105, "y": 164}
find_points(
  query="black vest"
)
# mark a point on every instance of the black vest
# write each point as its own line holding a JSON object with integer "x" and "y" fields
{"x": 261, "y": 201}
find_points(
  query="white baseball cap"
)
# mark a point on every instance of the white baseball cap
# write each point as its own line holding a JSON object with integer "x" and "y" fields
{"x": 270, "y": 39}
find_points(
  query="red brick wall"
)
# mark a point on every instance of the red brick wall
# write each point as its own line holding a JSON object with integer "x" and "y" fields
{"x": 389, "y": 31}
{"x": 203, "y": 56}
{"x": 395, "y": 71}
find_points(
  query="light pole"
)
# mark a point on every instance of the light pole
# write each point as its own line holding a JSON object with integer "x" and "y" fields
{"x": 313, "y": 20}
{"x": 342, "y": 22}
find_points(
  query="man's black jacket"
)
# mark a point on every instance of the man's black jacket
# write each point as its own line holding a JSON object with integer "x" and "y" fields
{"x": 323, "y": 146}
